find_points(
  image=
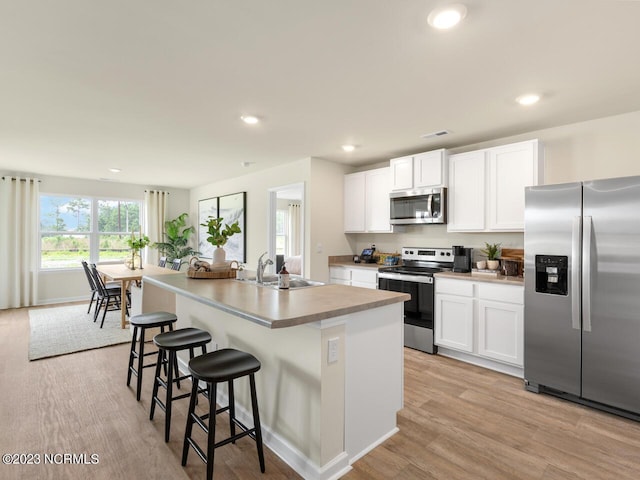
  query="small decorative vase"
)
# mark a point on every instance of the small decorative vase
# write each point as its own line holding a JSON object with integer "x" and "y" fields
{"x": 493, "y": 264}
{"x": 134, "y": 261}
{"x": 219, "y": 255}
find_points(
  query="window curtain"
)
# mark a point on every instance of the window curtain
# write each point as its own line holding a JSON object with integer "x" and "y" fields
{"x": 294, "y": 229}
{"x": 19, "y": 239}
{"x": 155, "y": 208}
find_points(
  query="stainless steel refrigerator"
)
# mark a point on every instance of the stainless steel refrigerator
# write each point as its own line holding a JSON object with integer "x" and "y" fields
{"x": 582, "y": 292}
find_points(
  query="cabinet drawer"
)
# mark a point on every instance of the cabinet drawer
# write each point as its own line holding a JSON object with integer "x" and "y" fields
{"x": 340, "y": 273}
{"x": 361, "y": 275}
{"x": 501, "y": 293}
{"x": 454, "y": 287}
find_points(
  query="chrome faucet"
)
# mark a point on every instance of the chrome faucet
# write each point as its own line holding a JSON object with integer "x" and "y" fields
{"x": 261, "y": 266}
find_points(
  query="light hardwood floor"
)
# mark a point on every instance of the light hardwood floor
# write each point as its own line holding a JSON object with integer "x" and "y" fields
{"x": 459, "y": 422}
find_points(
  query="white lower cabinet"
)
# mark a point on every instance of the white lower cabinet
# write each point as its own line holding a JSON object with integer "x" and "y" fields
{"x": 355, "y": 277}
{"x": 480, "y": 318}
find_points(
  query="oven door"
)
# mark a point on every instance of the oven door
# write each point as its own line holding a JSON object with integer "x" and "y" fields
{"x": 418, "y": 312}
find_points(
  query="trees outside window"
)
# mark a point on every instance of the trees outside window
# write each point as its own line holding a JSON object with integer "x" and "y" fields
{"x": 76, "y": 228}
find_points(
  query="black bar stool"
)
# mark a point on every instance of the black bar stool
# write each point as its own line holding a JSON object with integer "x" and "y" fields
{"x": 172, "y": 343}
{"x": 140, "y": 324}
{"x": 221, "y": 366}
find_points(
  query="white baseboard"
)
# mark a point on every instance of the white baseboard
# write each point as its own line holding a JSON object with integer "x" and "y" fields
{"x": 482, "y": 362}
{"x": 53, "y": 301}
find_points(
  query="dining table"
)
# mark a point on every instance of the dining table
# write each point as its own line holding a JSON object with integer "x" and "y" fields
{"x": 123, "y": 274}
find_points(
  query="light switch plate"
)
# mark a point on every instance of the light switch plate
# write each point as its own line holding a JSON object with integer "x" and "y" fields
{"x": 332, "y": 356}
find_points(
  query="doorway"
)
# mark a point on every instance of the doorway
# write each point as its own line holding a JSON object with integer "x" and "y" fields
{"x": 286, "y": 227}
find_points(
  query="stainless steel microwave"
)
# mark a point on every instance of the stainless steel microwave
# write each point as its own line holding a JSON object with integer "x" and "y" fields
{"x": 423, "y": 206}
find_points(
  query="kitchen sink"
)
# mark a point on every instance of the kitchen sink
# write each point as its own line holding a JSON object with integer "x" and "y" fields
{"x": 271, "y": 281}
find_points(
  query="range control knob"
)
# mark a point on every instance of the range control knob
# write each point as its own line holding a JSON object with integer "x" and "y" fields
{"x": 448, "y": 254}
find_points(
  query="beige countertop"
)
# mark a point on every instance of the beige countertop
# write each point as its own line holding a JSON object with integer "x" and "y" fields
{"x": 352, "y": 264}
{"x": 481, "y": 278}
{"x": 275, "y": 308}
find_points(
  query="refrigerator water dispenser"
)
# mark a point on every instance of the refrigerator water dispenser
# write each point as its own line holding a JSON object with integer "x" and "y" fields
{"x": 551, "y": 274}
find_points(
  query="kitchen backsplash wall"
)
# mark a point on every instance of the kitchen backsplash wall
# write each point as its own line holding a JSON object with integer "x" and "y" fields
{"x": 431, "y": 236}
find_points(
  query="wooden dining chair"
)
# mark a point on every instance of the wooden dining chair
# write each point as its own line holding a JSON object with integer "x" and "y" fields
{"x": 176, "y": 264}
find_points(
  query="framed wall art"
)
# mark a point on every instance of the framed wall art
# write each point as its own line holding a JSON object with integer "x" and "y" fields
{"x": 230, "y": 208}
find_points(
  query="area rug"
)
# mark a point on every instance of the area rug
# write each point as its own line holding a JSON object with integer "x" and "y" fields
{"x": 62, "y": 330}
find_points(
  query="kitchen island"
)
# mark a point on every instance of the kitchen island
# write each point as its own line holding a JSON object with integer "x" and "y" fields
{"x": 331, "y": 381}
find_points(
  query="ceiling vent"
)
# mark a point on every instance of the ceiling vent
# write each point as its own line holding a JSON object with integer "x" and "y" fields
{"x": 439, "y": 133}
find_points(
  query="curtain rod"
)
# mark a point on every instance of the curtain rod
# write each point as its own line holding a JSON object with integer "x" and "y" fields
{"x": 22, "y": 179}
{"x": 158, "y": 191}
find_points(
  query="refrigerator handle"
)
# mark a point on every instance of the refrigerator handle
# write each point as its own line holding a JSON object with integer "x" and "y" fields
{"x": 575, "y": 272}
{"x": 586, "y": 274}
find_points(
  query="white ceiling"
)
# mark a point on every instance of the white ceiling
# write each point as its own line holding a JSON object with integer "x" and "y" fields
{"x": 156, "y": 87}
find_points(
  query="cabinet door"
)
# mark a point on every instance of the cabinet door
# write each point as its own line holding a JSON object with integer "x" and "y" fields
{"x": 340, "y": 275}
{"x": 429, "y": 169}
{"x": 377, "y": 206}
{"x": 500, "y": 331}
{"x": 466, "y": 192}
{"x": 354, "y": 202}
{"x": 511, "y": 168}
{"x": 401, "y": 173}
{"x": 454, "y": 322}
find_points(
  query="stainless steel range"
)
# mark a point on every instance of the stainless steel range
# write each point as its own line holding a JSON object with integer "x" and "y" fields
{"x": 415, "y": 277}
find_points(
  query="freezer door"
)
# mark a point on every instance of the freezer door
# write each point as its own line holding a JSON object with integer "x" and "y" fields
{"x": 611, "y": 293}
{"x": 552, "y": 320}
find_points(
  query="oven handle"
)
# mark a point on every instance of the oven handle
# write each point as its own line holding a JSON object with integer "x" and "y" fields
{"x": 406, "y": 278}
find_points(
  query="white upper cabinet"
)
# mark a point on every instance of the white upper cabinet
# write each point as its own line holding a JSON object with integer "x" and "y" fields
{"x": 354, "y": 202}
{"x": 421, "y": 170}
{"x": 401, "y": 173}
{"x": 366, "y": 201}
{"x": 486, "y": 191}
{"x": 510, "y": 169}
{"x": 466, "y": 191}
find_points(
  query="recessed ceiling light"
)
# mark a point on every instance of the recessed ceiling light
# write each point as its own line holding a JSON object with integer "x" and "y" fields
{"x": 115, "y": 170}
{"x": 528, "y": 99}
{"x": 447, "y": 17}
{"x": 348, "y": 148}
{"x": 250, "y": 119}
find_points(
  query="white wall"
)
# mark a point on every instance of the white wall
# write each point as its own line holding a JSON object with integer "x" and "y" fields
{"x": 67, "y": 285}
{"x": 322, "y": 208}
{"x": 257, "y": 185}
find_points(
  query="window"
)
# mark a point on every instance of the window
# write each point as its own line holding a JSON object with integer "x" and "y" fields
{"x": 82, "y": 228}
{"x": 281, "y": 232}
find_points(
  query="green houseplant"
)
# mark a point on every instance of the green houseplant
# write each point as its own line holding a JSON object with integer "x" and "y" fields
{"x": 219, "y": 235}
{"x": 492, "y": 251}
{"x": 177, "y": 234}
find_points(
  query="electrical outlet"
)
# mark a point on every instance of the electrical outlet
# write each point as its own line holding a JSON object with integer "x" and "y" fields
{"x": 332, "y": 356}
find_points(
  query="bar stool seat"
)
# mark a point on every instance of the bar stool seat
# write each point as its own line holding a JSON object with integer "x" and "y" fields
{"x": 140, "y": 325}
{"x": 224, "y": 365}
{"x": 171, "y": 343}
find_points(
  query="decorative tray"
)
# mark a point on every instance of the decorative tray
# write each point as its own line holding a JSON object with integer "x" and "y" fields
{"x": 202, "y": 269}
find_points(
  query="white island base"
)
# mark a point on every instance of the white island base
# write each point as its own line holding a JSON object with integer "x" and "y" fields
{"x": 320, "y": 410}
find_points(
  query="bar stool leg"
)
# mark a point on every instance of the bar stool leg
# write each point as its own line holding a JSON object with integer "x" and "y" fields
{"x": 169, "y": 402}
{"x": 156, "y": 382}
{"x": 140, "y": 364}
{"x": 189, "y": 427}
{"x": 131, "y": 356}
{"x": 211, "y": 440}
{"x": 256, "y": 421}
{"x": 232, "y": 410}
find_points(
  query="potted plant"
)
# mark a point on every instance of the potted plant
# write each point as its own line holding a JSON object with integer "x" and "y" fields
{"x": 492, "y": 251}
{"x": 218, "y": 236}
{"x": 177, "y": 236}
